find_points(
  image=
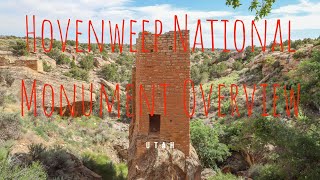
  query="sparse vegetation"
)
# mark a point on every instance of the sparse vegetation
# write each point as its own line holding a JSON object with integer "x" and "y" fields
{"x": 20, "y": 48}
{"x": 78, "y": 73}
{"x": 299, "y": 55}
{"x": 60, "y": 58}
{"x": 110, "y": 72}
{"x": 103, "y": 166}
{"x": 10, "y": 126}
{"x": 87, "y": 62}
{"x": 46, "y": 66}
{"x": 222, "y": 176}
{"x": 33, "y": 171}
{"x": 309, "y": 84}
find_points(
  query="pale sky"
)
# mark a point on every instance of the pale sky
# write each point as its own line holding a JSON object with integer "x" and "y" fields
{"x": 303, "y": 14}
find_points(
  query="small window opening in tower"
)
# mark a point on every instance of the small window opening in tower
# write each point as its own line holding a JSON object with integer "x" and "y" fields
{"x": 154, "y": 123}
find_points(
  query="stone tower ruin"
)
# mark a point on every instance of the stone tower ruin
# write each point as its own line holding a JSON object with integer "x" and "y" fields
{"x": 153, "y": 69}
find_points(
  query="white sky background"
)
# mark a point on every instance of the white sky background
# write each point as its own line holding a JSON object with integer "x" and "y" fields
{"x": 304, "y": 18}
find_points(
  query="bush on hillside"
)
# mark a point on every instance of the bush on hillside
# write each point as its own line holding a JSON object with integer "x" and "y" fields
{"x": 46, "y": 66}
{"x": 60, "y": 58}
{"x": 110, "y": 72}
{"x": 78, "y": 73}
{"x": 20, "y": 48}
{"x": 87, "y": 62}
{"x": 102, "y": 165}
{"x": 33, "y": 171}
{"x": 300, "y": 54}
{"x": 57, "y": 162}
{"x": 249, "y": 54}
{"x": 297, "y": 150}
{"x": 10, "y": 126}
{"x": 308, "y": 75}
{"x": 205, "y": 140}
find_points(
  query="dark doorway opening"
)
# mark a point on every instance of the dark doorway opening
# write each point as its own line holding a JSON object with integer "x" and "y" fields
{"x": 154, "y": 123}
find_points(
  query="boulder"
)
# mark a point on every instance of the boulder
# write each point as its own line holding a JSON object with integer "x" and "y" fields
{"x": 207, "y": 173}
{"x": 235, "y": 163}
{"x": 98, "y": 62}
{"x": 230, "y": 62}
{"x": 121, "y": 146}
{"x": 51, "y": 62}
{"x": 166, "y": 164}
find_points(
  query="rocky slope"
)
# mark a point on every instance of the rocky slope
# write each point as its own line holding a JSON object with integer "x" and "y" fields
{"x": 108, "y": 135}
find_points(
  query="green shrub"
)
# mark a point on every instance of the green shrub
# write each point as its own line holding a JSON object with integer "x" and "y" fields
{"x": 110, "y": 72}
{"x": 54, "y": 53}
{"x": 5, "y": 147}
{"x": 296, "y": 44}
{"x": 20, "y": 48}
{"x": 71, "y": 42}
{"x": 60, "y": 58}
{"x": 7, "y": 99}
{"x": 316, "y": 42}
{"x": 270, "y": 172}
{"x": 87, "y": 62}
{"x": 269, "y": 60}
{"x": 57, "y": 162}
{"x": 63, "y": 59}
{"x": 73, "y": 64}
{"x": 238, "y": 65}
{"x": 195, "y": 74}
{"x": 9, "y": 170}
{"x": 299, "y": 153}
{"x": 8, "y": 78}
{"x": 125, "y": 60}
{"x": 46, "y": 66}
{"x": 10, "y": 126}
{"x": 102, "y": 165}
{"x": 300, "y": 54}
{"x": 249, "y": 54}
{"x": 277, "y": 48}
{"x": 57, "y": 44}
{"x": 223, "y": 56}
{"x": 308, "y": 75}
{"x": 222, "y": 176}
{"x": 79, "y": 74}
{"x": 3, "y": 153}
{"x": 217, "y": 70}
{"x": 34, "y": 171}
{"x": 2, "y": 98}
{"x": 206, "y": 142}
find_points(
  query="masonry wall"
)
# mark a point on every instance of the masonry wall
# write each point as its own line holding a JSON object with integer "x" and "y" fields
{"x": 156, "y": 68}
{"x": 32, "y": 64}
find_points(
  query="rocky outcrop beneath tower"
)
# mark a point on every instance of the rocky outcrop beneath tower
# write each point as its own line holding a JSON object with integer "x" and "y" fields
{"x": 165, "y": 164}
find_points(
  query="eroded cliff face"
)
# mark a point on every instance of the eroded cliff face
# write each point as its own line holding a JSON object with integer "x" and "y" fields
{"x": 163, "y": 164}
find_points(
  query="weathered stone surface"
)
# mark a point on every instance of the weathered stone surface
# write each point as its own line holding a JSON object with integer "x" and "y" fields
{"x": 235, "y": 163}
{"x": 166, "y": 164}
{"x": 98, "y": 62}
{"x": 207, "y": 173}
{"x": 121, "y": 147}
{"x": 51, "y": 62}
